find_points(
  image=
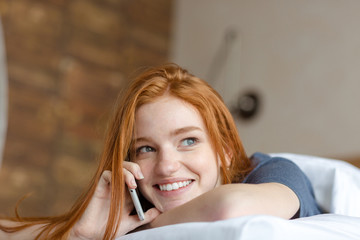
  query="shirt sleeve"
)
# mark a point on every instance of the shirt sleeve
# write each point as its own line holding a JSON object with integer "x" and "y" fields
{"x": 284, "y": 171}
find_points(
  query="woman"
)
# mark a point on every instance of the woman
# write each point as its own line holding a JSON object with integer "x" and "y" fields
{"x": 173, "y": 134}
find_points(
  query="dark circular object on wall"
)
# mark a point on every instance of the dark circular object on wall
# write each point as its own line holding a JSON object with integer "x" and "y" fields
{"x": 248, "y": 105}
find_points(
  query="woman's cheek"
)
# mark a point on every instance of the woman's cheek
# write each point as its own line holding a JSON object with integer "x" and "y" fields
{"x": 146, "y": 170}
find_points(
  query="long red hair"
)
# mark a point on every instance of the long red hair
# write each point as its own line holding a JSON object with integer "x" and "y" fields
{"x": 149, "y": 85}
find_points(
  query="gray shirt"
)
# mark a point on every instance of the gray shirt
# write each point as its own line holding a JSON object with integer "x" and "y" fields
{"x": 276, "y": 169}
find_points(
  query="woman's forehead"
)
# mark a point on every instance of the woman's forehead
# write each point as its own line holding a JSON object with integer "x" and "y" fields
{"x": 167, "y": 113}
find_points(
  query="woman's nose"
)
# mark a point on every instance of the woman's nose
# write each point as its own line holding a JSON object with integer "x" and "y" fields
{"x": 168, "y": 162}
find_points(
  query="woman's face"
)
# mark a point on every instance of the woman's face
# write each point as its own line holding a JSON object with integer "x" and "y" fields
{"x": 174, "y": 153}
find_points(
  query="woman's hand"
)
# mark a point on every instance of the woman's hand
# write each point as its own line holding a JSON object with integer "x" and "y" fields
{"x": 93, "y": 222}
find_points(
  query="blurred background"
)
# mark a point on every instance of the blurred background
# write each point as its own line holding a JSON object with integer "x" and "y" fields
{"x": 288, "y": 70}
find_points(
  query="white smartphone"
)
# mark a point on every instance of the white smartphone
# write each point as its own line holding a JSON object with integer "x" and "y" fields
{"x": 137, "y": 204}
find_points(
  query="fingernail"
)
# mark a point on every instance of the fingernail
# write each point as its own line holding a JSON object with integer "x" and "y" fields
{"x": 133, "y": 183}
{"x": 140, "y": 175}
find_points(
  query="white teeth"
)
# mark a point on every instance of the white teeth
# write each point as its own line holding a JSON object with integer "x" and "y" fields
{"x": 174, "y": 186}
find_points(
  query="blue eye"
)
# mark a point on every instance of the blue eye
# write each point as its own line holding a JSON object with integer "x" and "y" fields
{"x": 189, "y": 141}
{"x": 144, "y": 149}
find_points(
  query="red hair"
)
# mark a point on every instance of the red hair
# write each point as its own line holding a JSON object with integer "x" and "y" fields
{"x": 155, "y": 82}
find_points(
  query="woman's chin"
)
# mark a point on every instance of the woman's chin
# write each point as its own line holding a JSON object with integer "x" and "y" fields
{"x": 168, "y": 206}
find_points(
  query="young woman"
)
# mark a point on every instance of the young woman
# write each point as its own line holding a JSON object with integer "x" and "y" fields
{"x": 173, "y": 138}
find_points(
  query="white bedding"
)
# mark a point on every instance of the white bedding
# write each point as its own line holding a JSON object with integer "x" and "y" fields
{"x": 326, "y": 226}
{"x": 337, "y": 189}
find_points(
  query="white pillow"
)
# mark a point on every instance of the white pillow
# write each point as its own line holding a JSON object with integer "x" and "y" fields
{"x": 336, "y": 183}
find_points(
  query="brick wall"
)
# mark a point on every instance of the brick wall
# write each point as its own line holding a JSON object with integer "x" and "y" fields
{"x": 67, "y": 61}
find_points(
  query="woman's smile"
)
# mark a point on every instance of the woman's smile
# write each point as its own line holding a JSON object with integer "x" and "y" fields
{"x": 173, "y": 190}
{"x": 174, "y": 186}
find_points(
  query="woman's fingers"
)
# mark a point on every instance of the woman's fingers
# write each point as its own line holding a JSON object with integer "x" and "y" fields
{"x": 134, "y": 222}
{"x": 129, "y": 179}
{"x": 103, "y": 186}
{"x": 150, "y": 215}
{"x": 134, "y": 169}
{"x": 93, "y": 221}
{"x": 131, "y": 172}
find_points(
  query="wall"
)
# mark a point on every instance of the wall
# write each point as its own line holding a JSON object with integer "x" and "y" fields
{"x": 67, "y": 61}
{"x": 301, "y": 56}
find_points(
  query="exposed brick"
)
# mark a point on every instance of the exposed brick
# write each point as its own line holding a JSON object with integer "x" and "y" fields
{"x": 138, "y": 57}
{"x": 87, "y": 150}
{"x": 66, "y": 171}
{"x": 83, "y": 92}
{"x": 116, "y": 4}
{"x": 154, "y": 16}
{"x": 67, "y": 62}
{"x": 94, "y": 52}
{"x": 33, "y": 77}
{"x": 16, "y": 182}
{"x": 4, "y": 8}
{"x": 102, "y": 20}
{"x": 60, "y": 3}
{"x": 24, "y": 153}
{"x": 32, "y": 119}
{"x": 91, "y": 84}
{"x": 149, "y": 40}
{"x": 32, "y": 53}
{"x": 64, "y": 198}
{"x": 20, "y": 179}
{"x": 34, "y": 18}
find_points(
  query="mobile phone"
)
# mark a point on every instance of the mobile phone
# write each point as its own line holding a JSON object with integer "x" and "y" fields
{"x": 137, "y": 204}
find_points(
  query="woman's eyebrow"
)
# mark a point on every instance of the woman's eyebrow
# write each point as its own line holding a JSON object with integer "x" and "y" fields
{"x": 143, "y": 139}
{"x": 185, "y": 130}
{"x": 173, "y": 133}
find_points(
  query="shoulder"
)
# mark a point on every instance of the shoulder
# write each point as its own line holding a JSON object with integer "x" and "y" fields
{"x": 267, "y": 168}
{"x": 281, "y": 170}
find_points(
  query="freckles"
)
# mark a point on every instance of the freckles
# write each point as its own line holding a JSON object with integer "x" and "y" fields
{"x": 147, "y": 170}
{"x": 144, "y": 165}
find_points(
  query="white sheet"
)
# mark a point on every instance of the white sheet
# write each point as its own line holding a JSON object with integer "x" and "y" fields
{"x": 337, "y": 189}
{"x": 326, "y": 226}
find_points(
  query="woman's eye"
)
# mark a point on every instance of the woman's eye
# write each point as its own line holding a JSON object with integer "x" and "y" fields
{"x": 144, "y": 149}
{"x": 188, "y": 141}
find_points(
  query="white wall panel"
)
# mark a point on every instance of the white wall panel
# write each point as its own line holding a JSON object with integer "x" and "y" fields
{"x": 302, "y": 56}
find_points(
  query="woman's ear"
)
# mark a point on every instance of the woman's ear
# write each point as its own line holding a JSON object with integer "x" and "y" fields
{"x": 225, "y": 165}
{"x": 228, "y": 156}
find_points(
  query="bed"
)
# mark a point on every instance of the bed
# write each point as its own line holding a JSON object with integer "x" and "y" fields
{"x": 337, "y": 190}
